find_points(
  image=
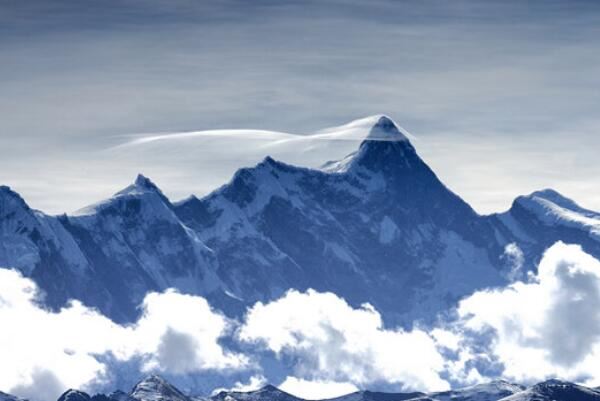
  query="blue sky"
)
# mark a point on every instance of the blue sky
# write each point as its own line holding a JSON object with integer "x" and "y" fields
{"x": 501, "y": 95}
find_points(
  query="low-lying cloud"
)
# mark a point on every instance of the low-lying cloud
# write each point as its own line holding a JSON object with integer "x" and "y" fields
{"x": 333, "y": 341}
{"x": 548, "y": 326}
{"x": 45, "y": 352}
{"x": 545, "y": 326}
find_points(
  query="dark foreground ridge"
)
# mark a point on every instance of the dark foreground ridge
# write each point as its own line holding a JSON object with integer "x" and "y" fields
{"x": 155, "y": 388}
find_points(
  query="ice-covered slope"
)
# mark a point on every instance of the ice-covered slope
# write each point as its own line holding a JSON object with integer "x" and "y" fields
{"x": 377, "y": 226}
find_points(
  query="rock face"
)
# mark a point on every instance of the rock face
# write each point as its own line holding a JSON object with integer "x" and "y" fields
{"x": 377, "y": 226}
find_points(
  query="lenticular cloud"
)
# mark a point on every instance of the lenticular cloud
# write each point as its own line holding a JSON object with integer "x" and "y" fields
{"x": 45, "y": 352}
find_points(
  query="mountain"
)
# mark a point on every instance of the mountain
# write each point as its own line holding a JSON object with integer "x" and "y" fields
{"x": 556, "y": 390}
{"x": 74, "y": 395}
{"x": 491, "y": 391}
{"x": 135, "y": 243}
{"x": 538, "y": 220}
{"x": 155, "y": 388}
{"x": 8, "y": 397}
{"x": 377, "y": 226}
{"x": 267, "y": 393}
{"x": 366, "y": 395}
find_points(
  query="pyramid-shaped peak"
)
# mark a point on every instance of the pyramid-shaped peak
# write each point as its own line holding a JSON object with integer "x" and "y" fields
{"x": 141, "y": 185}
{"x": 385, "y": 123}
{"x": 269, "y": 388}
{"x": 385, "y": 129}
{"x": 144, "y": 182}
{"x": 156, "y": 388}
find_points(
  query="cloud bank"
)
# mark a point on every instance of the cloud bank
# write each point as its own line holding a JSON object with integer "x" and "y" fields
{"x": 333, "y": 342}
{"x": 546, "y": 326}
{"x": 45, "y": 352}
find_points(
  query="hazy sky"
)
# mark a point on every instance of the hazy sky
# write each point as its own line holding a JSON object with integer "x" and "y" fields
{"x": 502, "y": 96}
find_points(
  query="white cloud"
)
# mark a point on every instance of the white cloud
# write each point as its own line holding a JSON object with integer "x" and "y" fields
{"x": 547, "y": 327}
{"x": 45, "y": 352}
{"x": 316, "y": 389}
{"x": 334, "y": 342}
{"x": 515, "y": 258}
{"x": 255, "y": 382}
{"x": 180, "y": 334}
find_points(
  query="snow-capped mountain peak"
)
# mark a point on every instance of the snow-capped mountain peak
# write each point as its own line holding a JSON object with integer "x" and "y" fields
{"x": 385, "y": 129}
{"x": 492, "y": 391}
{"x": 74, "y": 395}
{"x": 155, "y": 388}
{"x": 555, "y": 197}
{"x": 385, "y": 149}
{"x": 141, "y": 185}
{"x": 266, "y": 393}
{"x": 552, "y": 208}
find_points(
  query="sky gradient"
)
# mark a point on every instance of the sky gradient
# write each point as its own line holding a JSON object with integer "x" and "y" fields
{"x": 502, "y": 96}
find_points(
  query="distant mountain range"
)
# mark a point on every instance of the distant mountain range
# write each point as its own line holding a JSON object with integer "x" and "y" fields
{"x": 377, "y": 226}
{"x": 155, "y": 388}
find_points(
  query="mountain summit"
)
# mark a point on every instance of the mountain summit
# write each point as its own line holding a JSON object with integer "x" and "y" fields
{"x": 155, "y": 388}
{"x": 385, "y": 129}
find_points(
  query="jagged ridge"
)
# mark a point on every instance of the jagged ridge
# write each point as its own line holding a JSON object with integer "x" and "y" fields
{"x": 376, "y": 227}
{"x": 156, "y": 388}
